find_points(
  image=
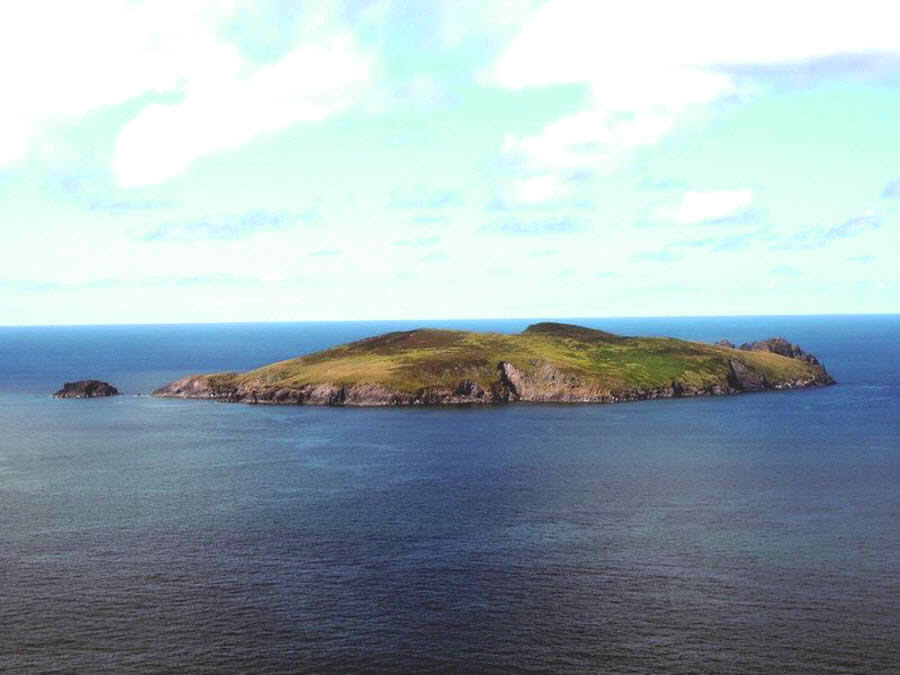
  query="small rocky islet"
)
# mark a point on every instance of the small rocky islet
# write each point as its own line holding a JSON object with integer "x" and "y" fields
{"x": 547, "y": 362}
{"x": 86, "y": 389}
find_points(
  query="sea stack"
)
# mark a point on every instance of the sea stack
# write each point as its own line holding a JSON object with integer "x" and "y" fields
{"x": 86, "y": 389}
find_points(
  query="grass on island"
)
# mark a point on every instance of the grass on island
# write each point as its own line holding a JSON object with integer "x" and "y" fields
{"x": 410, "y": 360}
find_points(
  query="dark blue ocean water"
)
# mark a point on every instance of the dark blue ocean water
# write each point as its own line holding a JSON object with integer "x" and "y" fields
{"x": 738, "y": 534}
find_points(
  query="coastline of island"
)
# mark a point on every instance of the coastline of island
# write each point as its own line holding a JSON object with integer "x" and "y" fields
{"x": 548, "y": 362}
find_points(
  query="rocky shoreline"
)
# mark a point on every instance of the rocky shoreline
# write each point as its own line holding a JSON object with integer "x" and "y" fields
{"x": 541, "y": 382}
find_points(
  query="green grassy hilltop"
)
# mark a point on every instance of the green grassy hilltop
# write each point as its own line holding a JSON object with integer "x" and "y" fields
{"x": 549, "y": 361}
{"x": 410, "y": 360}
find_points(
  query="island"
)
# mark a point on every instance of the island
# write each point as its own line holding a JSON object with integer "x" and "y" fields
{"x": 547, "y": 362}
{"x": 86, "y": 389}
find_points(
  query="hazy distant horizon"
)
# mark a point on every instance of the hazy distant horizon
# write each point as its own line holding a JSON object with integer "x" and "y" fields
{"x": 442, "y": 319}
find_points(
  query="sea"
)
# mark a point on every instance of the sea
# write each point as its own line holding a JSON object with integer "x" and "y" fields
{"x": 739, "y": 534}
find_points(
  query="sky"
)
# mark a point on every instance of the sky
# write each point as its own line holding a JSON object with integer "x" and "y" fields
{"x": 168, "y": 162}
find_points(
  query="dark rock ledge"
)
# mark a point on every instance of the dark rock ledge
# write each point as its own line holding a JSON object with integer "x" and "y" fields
{"x": 778, "y": 345}
{"x": 86, "y": 389}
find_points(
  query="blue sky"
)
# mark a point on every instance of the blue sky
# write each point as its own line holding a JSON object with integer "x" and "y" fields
{"x": 278, "y": 161}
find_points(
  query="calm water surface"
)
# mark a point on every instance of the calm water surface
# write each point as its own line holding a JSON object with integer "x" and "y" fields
{"x": 737, "y": 534}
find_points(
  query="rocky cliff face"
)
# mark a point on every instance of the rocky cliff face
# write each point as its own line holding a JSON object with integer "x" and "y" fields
{"x": 86, "y": 389}
{"x": 778, "y": 345}
{"x": 201, "y": 386}
{"x": 539, "y": 381}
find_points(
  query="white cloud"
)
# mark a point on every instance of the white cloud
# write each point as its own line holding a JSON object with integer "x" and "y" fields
{"x": 706, "y": 207}
{"x": 228, "y": 109}
{"x": 576, "y": 41}
{"x": 539, "y": 189}
{"x": 626, "y": 110}
{"x": 63, "y": 60}
{"x": 587, "y": 138}
{"x": 649, "y": 60}
{"x": 13, "y": 140}
{"x": 462, "y": 19}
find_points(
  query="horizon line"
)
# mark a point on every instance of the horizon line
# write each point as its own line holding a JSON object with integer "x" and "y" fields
{"x": 471, "y": 318}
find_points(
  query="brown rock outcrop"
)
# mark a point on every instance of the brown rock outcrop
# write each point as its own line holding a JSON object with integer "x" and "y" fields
{"x": 778, "y": 345}
{"x": 86, "y": 389}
